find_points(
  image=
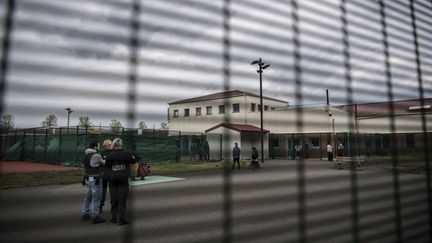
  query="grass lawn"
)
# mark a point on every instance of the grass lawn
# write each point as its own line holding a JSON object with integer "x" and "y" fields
{"x": 69, "y": 177}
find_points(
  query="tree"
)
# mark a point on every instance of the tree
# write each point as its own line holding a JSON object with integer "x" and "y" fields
{"x": 115, "y": 125}
{"x": 164, "y": 125}
{"x": 142, "y": 125}
{"x": 84, "y": 121}
{"x": 7, "y": 121}
{"x": 50, "y": 121}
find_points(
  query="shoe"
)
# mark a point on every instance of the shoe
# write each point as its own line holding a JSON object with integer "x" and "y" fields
{"x": 114, "y": 219}
{"x": 123, "y": 222}
{"x": 98, "y": 220}
{"x": 85, "y": 217}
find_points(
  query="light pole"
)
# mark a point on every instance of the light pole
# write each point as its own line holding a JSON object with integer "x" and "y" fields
{"x": 69, "y": 110}
{"x": 260, "y": 70}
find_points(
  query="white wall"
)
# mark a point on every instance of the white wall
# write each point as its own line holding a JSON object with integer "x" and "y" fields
{"x": 201, "y": 123}
{"x": 411, "y": 123}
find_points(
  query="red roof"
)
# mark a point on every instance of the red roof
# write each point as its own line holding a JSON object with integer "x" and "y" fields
{"x": 238, "y": 127}
{"x": 382, "y": 109}
{"x": 222, "y": 95}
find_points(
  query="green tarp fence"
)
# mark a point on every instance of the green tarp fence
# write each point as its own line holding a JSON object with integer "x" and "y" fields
{"x": 69, "y": 149}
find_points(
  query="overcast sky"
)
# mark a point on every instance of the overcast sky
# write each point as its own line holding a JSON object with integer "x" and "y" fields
{"x": 75, "y": 53}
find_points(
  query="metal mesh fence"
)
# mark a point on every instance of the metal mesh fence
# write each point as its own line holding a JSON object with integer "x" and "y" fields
{"x": 130, "y": 59}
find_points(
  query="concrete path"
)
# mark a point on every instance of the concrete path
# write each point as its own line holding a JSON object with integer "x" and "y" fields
{"x": 284, "y": 202}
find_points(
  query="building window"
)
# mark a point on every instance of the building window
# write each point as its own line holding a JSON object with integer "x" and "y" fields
{"x": 175, "y": 113}
{"x": 208, "y": 110}
{"x": 315, "y": 141}
{"x": 198, "y": 111}
{"x": 236, "y": 108}
{"x": 253, "y": 107}
{"x": 410, "y": 140}
{"x": 266, "y": 107}
{"x": 259, "y": 107}
{"x": 186, "y": 112}
{"x": 272, "y": 108}
{"x": 222, "y": 109}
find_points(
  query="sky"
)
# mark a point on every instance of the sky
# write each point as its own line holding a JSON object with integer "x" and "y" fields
{"x": 76, "y": 54}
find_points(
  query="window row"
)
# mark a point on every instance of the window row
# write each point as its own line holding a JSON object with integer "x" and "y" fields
{"x": 209, "y": 110}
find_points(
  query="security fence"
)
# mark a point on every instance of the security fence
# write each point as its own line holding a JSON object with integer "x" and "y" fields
{"x": 66, "y": 146}
{"x": 130, "y": 58}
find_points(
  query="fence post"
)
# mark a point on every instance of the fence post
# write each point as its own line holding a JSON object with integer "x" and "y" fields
{"x": 60, "y": 144}
{"x": 23, "y": 146}
{"x": 220, "y": 147}
{"x": 15, "y": 135}
{"x": 180, "y": 147}
{"x": 34, "y": 146}
{"x": 46, "y": 144}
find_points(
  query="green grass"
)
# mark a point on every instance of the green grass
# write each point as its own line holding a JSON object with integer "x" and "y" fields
{"x": 69, "y": 177}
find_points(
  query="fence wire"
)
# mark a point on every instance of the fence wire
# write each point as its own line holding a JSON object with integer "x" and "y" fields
{"x": 129, "y": 59}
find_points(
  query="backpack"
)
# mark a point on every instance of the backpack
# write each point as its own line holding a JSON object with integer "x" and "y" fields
{"x": 143, "y": 170}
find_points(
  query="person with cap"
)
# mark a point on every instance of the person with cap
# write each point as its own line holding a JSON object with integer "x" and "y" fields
{"x": 93, "y": 164}
{"x": 107, "y": 144}
{"x": 118, "y": 164}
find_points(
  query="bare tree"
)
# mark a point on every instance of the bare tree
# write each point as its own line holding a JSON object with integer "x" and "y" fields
{"x": 50, "y": 121}
{"x": 142, "y": 125}
{"x": 7, "y": 121}
{"x": 84, "y": 121}
{"x": 164, "y": 125}
{"x": 115, "y": 125}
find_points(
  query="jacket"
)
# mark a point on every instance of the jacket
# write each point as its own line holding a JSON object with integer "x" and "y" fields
{"x": 118, "y": 164}
{"x": 93, "y": 163}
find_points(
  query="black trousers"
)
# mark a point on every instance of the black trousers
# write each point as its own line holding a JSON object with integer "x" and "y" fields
{"x": 119, "y": 190}
{"x": 236, "y": 160}
{"x": 104, "y": 191}
{"x": 330, "y": 156}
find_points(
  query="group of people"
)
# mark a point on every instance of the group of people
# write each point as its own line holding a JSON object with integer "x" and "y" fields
{"x": 111, "y": 166}
{"x": 254, "y": 165}
{"x": 202, "y": 150}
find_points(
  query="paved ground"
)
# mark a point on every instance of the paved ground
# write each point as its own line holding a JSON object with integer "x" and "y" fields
{"x": 275, "y": 204}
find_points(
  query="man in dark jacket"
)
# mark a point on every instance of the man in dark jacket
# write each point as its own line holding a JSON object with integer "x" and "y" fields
{"x": 236, "y": 156}
{"x": 118, "y": 164}
{"x": 93, "y": 164}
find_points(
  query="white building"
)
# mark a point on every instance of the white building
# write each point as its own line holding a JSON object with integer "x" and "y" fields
{"x": 235, "y": 117}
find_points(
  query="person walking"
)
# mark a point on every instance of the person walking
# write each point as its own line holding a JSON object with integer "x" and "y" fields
{"x": 118, "y": 163}
{"x": 236, "y": 156}
{"x": 329, "y": 152}
{"x": 93, "y": 164}
{"x": 254, "y": 165}
{"x": 107, "y": 144}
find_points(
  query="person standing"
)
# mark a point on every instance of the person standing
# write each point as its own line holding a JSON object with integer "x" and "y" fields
{"x": 236, "y": 156}
{"x": 298, "y": 149}
{"x": 329, "y": 152}
{"x": 93, "y": 164}
{"x": 340, "y": 149}
{"x": 118, "y": 163}
{"x": 107, "y": 144}
{"x": 206, "y": 151}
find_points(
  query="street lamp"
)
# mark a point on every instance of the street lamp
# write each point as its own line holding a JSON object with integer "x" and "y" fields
{"x": 69, "y": 110}
{"x": 260, "y": 70}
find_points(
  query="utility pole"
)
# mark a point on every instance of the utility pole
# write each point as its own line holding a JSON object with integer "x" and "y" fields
{"x": 260, "y": 70}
